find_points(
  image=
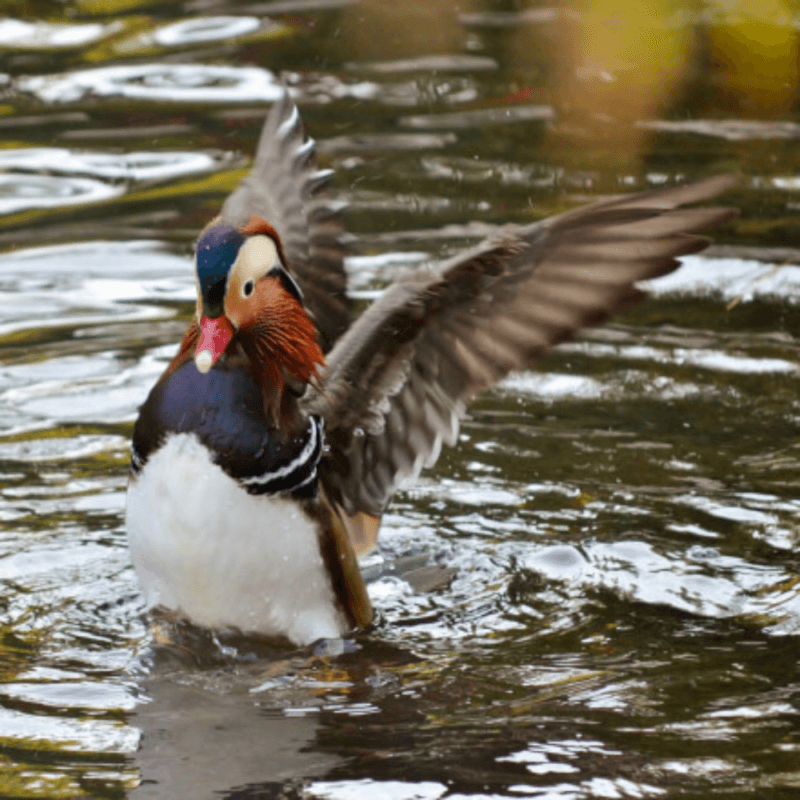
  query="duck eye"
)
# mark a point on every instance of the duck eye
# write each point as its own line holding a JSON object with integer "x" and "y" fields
{"x": 248, "y": 288}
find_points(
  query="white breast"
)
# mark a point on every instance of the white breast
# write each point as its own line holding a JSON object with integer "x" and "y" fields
{"x": 221, "y": 557}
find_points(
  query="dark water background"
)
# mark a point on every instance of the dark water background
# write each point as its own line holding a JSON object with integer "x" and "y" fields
{"x": 624, "y": 615}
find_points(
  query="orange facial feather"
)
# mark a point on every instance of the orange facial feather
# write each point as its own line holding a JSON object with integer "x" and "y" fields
{"x": 282, "y": 331}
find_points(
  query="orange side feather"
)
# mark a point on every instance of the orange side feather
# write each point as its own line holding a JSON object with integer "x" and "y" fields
{"x": 281, "y": 339}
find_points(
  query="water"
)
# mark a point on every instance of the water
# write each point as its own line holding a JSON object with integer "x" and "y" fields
{"x": 622, "y": 610}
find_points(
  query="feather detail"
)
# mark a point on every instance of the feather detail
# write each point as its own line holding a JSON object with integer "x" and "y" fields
{"x": 286, "y": 188}
{"x": 397, "y": 383}
{"x": 280, "y": 339}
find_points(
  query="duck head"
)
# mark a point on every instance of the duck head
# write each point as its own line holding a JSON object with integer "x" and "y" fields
{"x": 246, "y": 295}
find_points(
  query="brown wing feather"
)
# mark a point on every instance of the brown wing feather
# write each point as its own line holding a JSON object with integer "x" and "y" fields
{"x": 286, "y": 189}
{"x": 397, "y": 383}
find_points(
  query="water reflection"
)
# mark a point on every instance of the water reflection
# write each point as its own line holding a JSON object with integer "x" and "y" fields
{"x": 471, "y": 119}
{"x": 618, "y": 529}
{"x": 18, "y": 34}
{"x": 90, "y": 283}
{"x": 222, "y": 740}
{"x": 734, "y": 130}
{"x": 733, "y": 279}
{"x": 20, "y": 192}
{"x": 205, "y": 29}
{"x": 368, "y": 788}
{"x": 428, "y": 63}
{"x": 140, "y": 166}
{"x": 23, "y": 184}
{"x": 180, "y": 83}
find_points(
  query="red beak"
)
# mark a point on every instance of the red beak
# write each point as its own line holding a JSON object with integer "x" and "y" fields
{"x": 215, "y": 335}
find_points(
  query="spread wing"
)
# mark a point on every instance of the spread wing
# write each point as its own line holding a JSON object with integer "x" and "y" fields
{"x": 397, "y": 382}
{"x": 286, "y": 189}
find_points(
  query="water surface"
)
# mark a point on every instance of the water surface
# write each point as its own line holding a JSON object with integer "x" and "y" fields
{"x": 621, "y": 523}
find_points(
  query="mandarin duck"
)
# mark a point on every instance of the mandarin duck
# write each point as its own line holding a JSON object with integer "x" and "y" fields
{"x": 266, "y": 453}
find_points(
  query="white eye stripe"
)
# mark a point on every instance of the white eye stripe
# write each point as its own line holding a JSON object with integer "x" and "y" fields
{"x": 257, "y": 256}
{"x": 299, "y": 472}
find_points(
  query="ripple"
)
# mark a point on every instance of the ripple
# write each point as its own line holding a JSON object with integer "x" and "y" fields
{"x": 386, "y": 141}
{"x": 368, "y": 789}
{"x": 484, "y": 116}
{"x": 94, "y": 401}
{"x": 140, "y": 166}
{"x": 19, "y": 192}
{"x": 734, "y": 130}
{"x": 80, "y": 284}
{"x": 205, "y": 29}
{"x": 556, "y": 388}
{"x": 92, "y": 695}
{"x": 541, "y": 759}
{"x": 728, "y": 511}
{"x": 464, "y": 492}
{"x": 732, "y": 278}
{"x": 511, "y": 19}
{"x": 97, "y": 736}
{"x": 74, "y": 262}
{"x": 713, "y": 586}
{"x": 682, "y": 356}
{"x": 467, "y": 170}
{"x": 552, "y": 387}
{"x": 58, "y": 449}
{"x": 15, "y": 33}
{"x": 430, "y": 63}
{"x": 159, "y": 82}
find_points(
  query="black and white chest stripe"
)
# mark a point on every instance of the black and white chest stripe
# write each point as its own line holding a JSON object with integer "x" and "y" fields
{"x": 137, "y": 460}
{"x": 297, "y": 474}
{"x": 223, "y": 409}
